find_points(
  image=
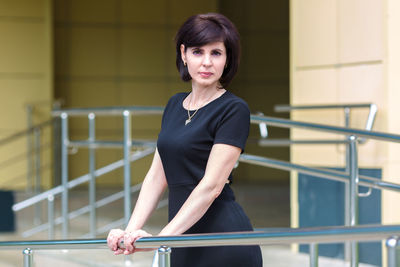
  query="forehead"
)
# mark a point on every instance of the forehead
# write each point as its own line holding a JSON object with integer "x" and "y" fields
{"x": 214, "y": 45}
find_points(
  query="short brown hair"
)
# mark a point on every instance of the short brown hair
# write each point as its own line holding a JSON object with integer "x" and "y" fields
{"x": 201, "y": 29}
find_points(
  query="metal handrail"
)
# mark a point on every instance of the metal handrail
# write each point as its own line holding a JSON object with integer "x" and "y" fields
{"x": 78, "y": 181}
{"x": 285, "y": 123}
{"x": 271, "y": 237}
{"x": 268, "y": 237}
{"x": 109, "y": 111}
{"x": 318, "y": 172}
{"x": 370, "y": 120}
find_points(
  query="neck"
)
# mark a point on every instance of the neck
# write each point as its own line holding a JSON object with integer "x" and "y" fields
{"x": 201, "y": 94}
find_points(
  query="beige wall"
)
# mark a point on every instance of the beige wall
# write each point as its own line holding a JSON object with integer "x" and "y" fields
{"x": 392, "y": 83}
{"x": 346, "y": 51}
{"x": 25, "y": 78}
{"x": 118, "y": 53}
{"x": 263, "y": 78}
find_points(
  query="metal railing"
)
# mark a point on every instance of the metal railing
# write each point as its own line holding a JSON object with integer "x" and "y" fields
{"x": 146, "y": 148}
{"x": 91, "y": 113}
{"x": 32, "y": 157}
{"x": 347, "y": 111}
{"x": 350, "y": 177}
{"x": 353, "y": 177}
{"x": 311, "y": 236}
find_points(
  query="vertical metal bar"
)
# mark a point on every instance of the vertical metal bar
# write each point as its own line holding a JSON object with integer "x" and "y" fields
{"x": 92, "y": 182}
{"x": 29, "y": 166}
{"x": 64, "y": 173}
{"x": 127, "y": 166}
{"x": 313, "y": 255}
{"x": 28, "y": 257}
{"x": 164, "y": 256}
{"x": 38, "y": 210}
{"x": 50, "y": 216}
{"x": 347, "y": 187}
{"x": 353, "y": 176}
{"x": 56, "y": 151}
{"x": 392, "y": 245}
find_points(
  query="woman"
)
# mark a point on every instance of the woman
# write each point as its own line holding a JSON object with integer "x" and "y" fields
{"x": 202, "y": 136}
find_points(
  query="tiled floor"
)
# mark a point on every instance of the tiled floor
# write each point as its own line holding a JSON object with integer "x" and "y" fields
{"x": 266, "y": 205}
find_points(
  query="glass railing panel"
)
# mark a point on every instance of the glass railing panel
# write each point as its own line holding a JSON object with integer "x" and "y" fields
{"x": 89, "y": 257}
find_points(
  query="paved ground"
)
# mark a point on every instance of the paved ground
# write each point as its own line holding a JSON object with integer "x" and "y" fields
{"x": 267, "y": 206}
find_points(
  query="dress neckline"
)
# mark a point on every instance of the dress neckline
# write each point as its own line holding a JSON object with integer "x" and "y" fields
{"x": 212, "y": 101}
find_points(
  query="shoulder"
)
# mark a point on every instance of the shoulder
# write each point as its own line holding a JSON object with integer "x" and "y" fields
{"x": 176, "y": 99}
{"x": 233, "y": 102}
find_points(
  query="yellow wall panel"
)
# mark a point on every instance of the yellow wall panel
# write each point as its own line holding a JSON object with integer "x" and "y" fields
{"x": 360, "y": 27}
{"x": 92, "y": 10}
{"x": 179, "y": 10}
{"x": 23, "y": 8}
{"x": 143, "y": 52}
{"x": 315, "y": 42}
{"x": 25, "y": 78}
{"x": 264, "y": 14}
{"x": 315, "y": 87}
{"x": 92, "y": 93}
{"x": 276, "y": 52}
{"x": 92, "y": 51}
{"x": 144, "y": 94}
{"x": 147, "y": 12}
{"x": 24, "y": 47}
{"x": 15, "y": 95}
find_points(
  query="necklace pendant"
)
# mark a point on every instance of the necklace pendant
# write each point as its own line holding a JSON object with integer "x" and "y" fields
{"x": 187, "y": 121}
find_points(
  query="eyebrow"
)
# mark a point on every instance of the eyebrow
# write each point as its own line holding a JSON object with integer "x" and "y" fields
{"x": 199, "y": 48}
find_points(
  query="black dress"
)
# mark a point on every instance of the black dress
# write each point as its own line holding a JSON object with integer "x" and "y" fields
{"x": 184, "y": 151}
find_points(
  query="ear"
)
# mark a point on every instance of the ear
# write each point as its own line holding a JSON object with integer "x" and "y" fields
{"x": 183, "y": 53}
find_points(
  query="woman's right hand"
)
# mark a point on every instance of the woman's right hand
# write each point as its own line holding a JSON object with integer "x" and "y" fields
{"x": 114, "y": 238}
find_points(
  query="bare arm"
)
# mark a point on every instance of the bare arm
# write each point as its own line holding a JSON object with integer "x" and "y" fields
{"x": 220, "y": 164}
{"x": 153, "y": 187}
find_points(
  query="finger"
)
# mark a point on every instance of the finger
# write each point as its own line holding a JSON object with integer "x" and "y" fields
{"x": 119, "y": 251}
{"x": 128, "y": 240}
{"x": 127, "y": 252}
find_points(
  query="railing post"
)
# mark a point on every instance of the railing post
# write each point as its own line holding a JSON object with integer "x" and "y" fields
{"x": 92, "y": 182}
{"x": 313, "y": 255}
{"x": 347, "y": 187}
{"x": 64, "y": 173}
{"x": 353, "y": 182}
{"x": 127, "y": 167}
{"x": 28, "y": 257}
{"x": 164, "y": 256}
{"x": 50, "y": 215}
{"x": 38, "y": 210}
{"x": 29, "y": 170}
{"x": 392, "y": 245}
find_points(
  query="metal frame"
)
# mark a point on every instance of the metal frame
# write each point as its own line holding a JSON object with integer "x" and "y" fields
{"x": 285, "y": 236}
{"x": 351, "y": 177}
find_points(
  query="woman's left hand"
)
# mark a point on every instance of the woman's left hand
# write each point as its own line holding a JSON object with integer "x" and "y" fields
{"x": 130, "y": 239}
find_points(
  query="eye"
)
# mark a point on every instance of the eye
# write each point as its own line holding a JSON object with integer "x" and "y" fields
{"x": 216, "y": 53}
{"x": 196, "y": 52}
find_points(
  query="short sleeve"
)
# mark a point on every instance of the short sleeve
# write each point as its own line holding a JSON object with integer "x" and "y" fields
{"x": 167, "y": 108}
{"x": 233, "y": 128}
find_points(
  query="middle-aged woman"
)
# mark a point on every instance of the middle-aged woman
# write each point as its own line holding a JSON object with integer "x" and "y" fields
{"x": 202, "y": 135}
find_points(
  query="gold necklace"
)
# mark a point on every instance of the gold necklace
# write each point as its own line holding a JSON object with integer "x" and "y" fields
{"x": 189, "y": 119}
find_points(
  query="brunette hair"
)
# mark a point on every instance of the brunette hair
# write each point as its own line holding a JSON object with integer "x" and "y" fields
{"x": 201, "y": 29}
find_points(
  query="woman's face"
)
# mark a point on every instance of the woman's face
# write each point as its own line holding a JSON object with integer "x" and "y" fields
{"x": 205, "y": 63}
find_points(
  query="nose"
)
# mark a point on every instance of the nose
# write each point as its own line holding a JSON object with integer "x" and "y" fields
{"x": 207, "y": 60}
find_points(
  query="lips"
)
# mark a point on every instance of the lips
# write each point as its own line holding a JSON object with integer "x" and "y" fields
{"x": 205, "y": 74}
